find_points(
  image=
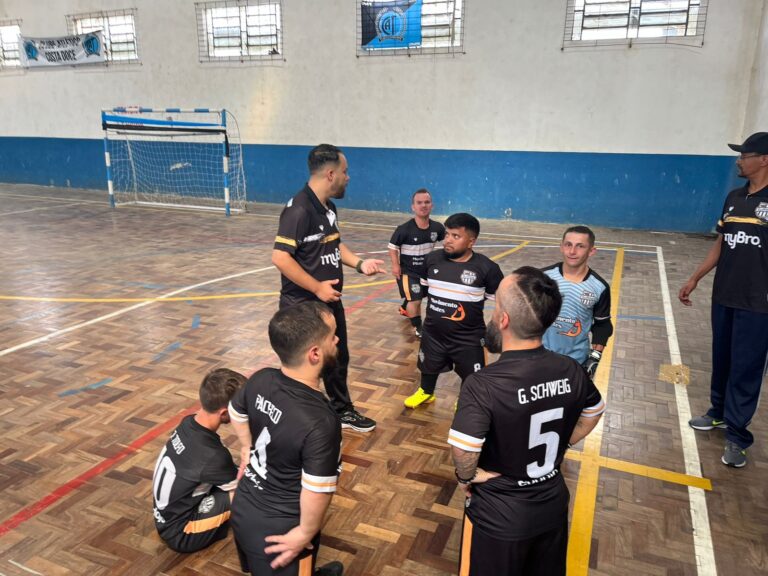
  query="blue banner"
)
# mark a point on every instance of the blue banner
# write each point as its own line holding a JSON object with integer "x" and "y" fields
{"x": 395, "y": 24}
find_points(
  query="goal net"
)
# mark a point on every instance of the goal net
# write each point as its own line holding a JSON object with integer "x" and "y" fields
{"x": 174, "y": 157}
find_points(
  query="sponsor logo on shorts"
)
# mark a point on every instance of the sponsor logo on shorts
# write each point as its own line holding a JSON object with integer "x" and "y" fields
{"x": 416, "y": 288}
{"x": 741, "y": 237}
{"x": 421, "y": 355}
{"x": 588, "y": 298}
{"x": 206, "y": 505}
{"x": 468, "y": 277}
{"x": 762, "y": 211}
{"x": 158, "y": 517}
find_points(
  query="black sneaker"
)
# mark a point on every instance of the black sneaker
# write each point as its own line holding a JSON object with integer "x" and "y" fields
{"x": 353, "y": 419}
{"x": 331, "y": 569}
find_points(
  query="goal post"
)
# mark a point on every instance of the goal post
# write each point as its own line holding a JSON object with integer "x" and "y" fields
{"x": 174, "y": 157}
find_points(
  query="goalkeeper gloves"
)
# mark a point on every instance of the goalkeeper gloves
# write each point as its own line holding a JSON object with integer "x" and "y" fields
{"x": 590, "y": 365}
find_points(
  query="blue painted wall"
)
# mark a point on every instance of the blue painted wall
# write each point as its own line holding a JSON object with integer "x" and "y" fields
{"x": 643, "y": 191}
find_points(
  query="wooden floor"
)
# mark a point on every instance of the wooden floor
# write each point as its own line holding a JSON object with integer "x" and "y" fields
{"x": 110, "y": 318}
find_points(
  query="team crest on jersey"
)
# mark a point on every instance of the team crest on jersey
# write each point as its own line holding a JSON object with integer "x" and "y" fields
{"x": 762, "y": 211}
{"x": 468, "y": 277}
{"x": 435, "y": 270}
{"x": 206, "y": 505}
{"x": 416, "y": 288}
{"x": 433, "y": 236}
{"x": 588, "y": 298}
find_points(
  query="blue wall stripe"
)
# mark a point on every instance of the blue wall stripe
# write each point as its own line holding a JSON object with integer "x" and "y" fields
{"x": 645, "y": 191}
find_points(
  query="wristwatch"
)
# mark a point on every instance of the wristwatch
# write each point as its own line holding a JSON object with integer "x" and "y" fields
{"x": 462, "y": 480}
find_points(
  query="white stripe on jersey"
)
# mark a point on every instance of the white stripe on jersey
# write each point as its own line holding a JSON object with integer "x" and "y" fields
{"x": 417, "y": 249}
{"x": 229, "y": 486}
{"x": 594, "y": 411}
{"x": 465, "y": 441}
{"x": 453, "y": 291}
{"x": 318, "y": 483}
{"x": 235, "y": 415}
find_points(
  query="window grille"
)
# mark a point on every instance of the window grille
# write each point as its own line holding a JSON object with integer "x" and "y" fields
{"x": 605, "y": 22}
{"x": 118, "y": 27}
{"x": 9, "y": 44}
{"x": 242, "y": 30}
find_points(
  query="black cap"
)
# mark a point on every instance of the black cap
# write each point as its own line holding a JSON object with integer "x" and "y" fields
{"x": 755, "y": 144}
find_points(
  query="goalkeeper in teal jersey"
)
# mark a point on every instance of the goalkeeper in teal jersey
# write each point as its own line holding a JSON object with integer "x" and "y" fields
{"x": 586, "y": 302}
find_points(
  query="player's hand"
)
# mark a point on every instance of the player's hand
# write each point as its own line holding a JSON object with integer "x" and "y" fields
{"x": 396, "y": 272}
{"x": 371, "y": 267}
{"x": 326, "y": 291}
{"x": 480, "y": 477}
{"x": 685, "y": 292}
{"x": 590, "y": 364}
{"x": 245, "y": 456}
{"x": 288, "y": 546}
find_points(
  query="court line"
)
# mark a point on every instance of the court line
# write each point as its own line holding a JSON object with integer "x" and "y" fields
{"x": 63, "y": 331}
{"x": 47, "y": 501}
{"x": 54, "y": 199}
{"x": 702, "y": 535}
{"x": 583, "y": 517}
{"x": 36, "y": 209}
{"x": 643, "y": 470}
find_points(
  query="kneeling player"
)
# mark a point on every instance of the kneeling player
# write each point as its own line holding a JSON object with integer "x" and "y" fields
{"x": 195, "y": 476}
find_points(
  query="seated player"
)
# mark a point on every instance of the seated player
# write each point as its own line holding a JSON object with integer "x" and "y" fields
{"x": 195, "y": 475}
{"x": 586, "y": 302}
{"x": 458, "y": 282}
{"x": 408, "y": 249}
{"x": 290, "y": 440}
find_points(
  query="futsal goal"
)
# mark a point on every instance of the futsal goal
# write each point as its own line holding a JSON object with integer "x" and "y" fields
{"x": 174, "y": 157}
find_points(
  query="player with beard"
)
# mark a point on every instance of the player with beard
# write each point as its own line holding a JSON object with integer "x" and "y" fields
{"x": 458, "y": 282}
{"x": 309, "y": 253}
{"x": 290, "y": 440}
{"x": 409, "y": 247}
{"x": 514, "y": 422}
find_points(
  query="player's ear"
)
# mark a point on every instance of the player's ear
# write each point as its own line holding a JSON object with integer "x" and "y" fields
{"x": 504, "y": 323}
{"x": 315, "y": 355}
{"x": 592, "y": 250}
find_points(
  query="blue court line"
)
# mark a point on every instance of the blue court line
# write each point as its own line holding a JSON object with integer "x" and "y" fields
{"x": 85, "y": 388}
{"x": 640, "y": 317}
{"x": 164, "y": 353}
{"x": 196, "y": 321}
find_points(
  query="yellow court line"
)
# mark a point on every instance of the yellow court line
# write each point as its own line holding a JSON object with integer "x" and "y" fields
{"x": 173, "y": 298}
{"x": 642, "y": 470}
{"x": 510, "y": 251}
{"x": 583, "y": 518}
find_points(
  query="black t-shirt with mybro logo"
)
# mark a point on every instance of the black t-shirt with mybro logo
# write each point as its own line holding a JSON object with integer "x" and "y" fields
{"x": 457, "y": 294}
{"x": 741, "y": 278}
{"x": 309, "y": 232}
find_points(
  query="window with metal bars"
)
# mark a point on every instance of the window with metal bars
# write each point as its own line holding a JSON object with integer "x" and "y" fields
{"x": 441, "y": 24}
{"x": 10, "y": 30}
{"x": 242, "y": 30}
{"x": 601, "y": 22}
{"x": 118, "y": 27}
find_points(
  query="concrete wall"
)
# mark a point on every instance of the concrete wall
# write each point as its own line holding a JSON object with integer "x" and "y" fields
{"x": 629, "y": 137}
{"x": 757, "y": 112}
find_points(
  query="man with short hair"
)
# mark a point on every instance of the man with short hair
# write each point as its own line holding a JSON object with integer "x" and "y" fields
{"x": 739, "y": 303}
{"x": 309, "y": 253}
{"x": 514, "y": 422}
{"x": 586, "y": 302}
{"x": 195, "y": 477}
{"x": 408, "y": 249}
{"x": 290, "y": 454}
{"x": 458, "y": 282}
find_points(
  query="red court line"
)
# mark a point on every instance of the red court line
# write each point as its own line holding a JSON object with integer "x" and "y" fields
{"x": 371, "y": 296}
{"x": 34, "y": 509}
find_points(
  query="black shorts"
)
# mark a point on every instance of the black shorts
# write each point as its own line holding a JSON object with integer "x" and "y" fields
{"x": 208, "y": 524}
{"x": 251, "y": 529}
{"x": 410, "y": 287}
{"x": 436, "y": 357}
{"x": 542, "y": 555}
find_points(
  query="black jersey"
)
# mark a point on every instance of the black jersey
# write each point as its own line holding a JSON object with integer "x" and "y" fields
{"x": 457, "y": 293}
{"x": 741, "y": 278}
{"x": 190, "y": 464}
{"x": 519, "y": 413}
{"x": 296, "y": 442}
{"x": 309, "y": 232}
{"x": 414, "y": 244}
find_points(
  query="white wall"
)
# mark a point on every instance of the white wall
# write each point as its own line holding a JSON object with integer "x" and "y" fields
{"x": 757, "y": 112}
{"x": 514, "y": 89}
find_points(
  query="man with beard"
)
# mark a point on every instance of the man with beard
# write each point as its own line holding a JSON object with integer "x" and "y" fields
{"x": 586, "y": 305}
{"x": 290, "y": 441}
{"x": 409, "y": 247}
{"x": 458, "y": 282}
{"x": 309, "y": 253}
{"x": 514, "y": 422}
{"x": 739, "y": 303}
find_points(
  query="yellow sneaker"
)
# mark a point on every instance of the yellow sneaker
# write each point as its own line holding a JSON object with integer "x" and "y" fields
{"x": 418, "y": 398}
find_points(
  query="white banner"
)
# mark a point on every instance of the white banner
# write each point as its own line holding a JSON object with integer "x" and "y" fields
{"x": 63, "y": 51}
